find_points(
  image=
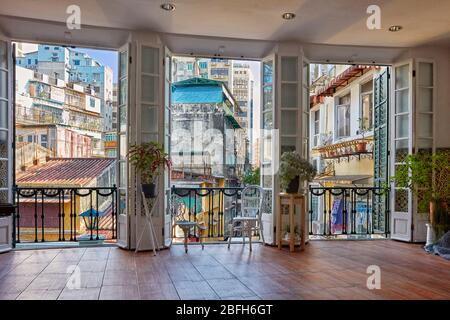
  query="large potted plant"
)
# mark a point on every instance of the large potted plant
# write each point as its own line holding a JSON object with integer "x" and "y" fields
{"x": 427, "y": 176}
{"x": 149, "y": 159}
{"x": 294, "y": 170}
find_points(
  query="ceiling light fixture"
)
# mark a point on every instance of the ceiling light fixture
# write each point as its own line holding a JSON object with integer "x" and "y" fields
{"x": 395, "y": 28}
{"x": 288, "y": 16}
{"x": 168, "y": 6}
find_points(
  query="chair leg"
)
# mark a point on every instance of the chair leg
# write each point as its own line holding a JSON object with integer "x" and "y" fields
{"x": 261, "y": 231}
{"x": 231, "y": 235}
{"x": 249, "y": 232}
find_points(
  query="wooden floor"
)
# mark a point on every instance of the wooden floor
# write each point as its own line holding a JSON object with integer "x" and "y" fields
{"x": 326, "y": 270}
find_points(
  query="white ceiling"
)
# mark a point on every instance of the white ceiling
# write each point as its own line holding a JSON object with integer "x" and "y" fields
{"x": 340, "y": 22}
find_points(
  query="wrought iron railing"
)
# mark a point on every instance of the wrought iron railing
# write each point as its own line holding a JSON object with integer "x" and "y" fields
{"x": 348, "y": 211}
{"x": 65, "y": 214}
{"x": 211, "y": 208}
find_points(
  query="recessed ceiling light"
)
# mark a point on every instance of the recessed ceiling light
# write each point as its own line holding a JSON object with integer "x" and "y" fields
{"x": 168, "y": 6}
{"x": 288, "y": 16}
{"x": 395, "y": 28}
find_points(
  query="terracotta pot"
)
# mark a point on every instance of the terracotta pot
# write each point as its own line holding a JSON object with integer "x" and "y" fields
{"x": 361, "y": 147}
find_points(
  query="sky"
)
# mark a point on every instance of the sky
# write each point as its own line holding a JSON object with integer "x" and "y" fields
{"x": 105, "y": 57}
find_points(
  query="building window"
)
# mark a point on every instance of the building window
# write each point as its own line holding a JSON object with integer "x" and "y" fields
{"x": 35, "y": 61}
{"x": 29, "y": 61}
{"x": 316, "y": 127}
{"x": 46, "y": 48}
{"x": 30, "y": 138}
{"x": 366, "y": 112}
{"x": 76, "y": 62}
{"x": 92, "y": 102}
{"x": 44, "y": 140}
{"x": 343, "y": 116}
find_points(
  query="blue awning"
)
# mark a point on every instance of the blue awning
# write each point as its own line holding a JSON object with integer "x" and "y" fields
{"x": 197, "y": 94}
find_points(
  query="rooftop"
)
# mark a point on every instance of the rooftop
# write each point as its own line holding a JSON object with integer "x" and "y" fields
{"x": 64, "y": 172}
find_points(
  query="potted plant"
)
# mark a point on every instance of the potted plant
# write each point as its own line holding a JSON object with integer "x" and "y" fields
{"x": 427, "y": 176}
{"x": 287, "y": 233}
{"x": 361, "y": 144}
{"x": 149, "y": 158}
{"x": 293, "y": 170}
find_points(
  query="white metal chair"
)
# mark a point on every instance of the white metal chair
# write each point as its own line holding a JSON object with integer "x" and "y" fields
{"x": 179, "y": 219}
{"x": 252, "y": 198}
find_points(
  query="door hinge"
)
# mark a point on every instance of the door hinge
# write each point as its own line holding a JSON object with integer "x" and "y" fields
{"x": 414, "y": 73}
{"x": 130, "y": 59}
{"x": 162, "y": 231}
{"x": 412, "y": 227}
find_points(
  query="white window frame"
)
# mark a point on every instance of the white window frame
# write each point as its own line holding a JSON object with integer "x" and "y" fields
{"x": 361, "y": 106}
{"x": 336, "y": 122}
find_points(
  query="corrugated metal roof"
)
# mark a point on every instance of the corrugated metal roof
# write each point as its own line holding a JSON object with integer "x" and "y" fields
{"x": 58, "y": 172}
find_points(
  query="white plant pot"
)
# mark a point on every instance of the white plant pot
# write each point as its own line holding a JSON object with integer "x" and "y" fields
{"x": 431, "y": 237}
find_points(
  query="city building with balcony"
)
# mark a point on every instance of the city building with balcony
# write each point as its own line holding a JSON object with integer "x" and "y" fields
{"x": 342, "y": 132}
{"x": 73, "y": 66}
{"x": 206, "y": 132}
{"x": 62, "y": 117}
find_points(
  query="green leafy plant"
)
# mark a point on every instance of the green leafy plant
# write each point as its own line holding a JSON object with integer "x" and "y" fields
{"x": 149, "y": 158}
{"x": 252, "y": 177}
{"x": 292, "y": 165}
{"x": 427, "y": 176}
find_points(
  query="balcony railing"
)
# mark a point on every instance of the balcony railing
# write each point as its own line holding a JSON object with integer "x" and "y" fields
{"x": 212, "y": 209}
{"x": 348, "y": 212}
{"x": 65, "y": 214}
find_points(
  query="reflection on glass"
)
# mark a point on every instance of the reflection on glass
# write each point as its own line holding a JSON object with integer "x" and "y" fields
{"x": 289, "y": 68}
{"x": 123, "y": 91}
{"x": 402, "y": 77}
{"x": 123, "y": 118}
{"x": 123, "y": 63}
{"x": 149, "y": 90}
{"x": 123, "y": 146}
{"x": 149, "y": 60}
{"x": 267, "y": 72}
{"x": 288, "y": 95}
{"x": 425, "y": 125}
{"x": 149, "y": 119}
{"x": 122, "y": 202}
{"x": 267, "y": 98}
{"x": 425, "y": 74}
{"x": 425, "y": 103}
{"x": 267, "y": 120}
{"x": 288, "y": 144}
{"x": 289, "y": 122}
{"x": 401, "y": 126}
{"x": 3, "y": 84}
{"x": 402, "y": 101}
{"x": 3, "y": 114}
{"x": 3, "y": 55}
{"x": 122, "y": 174}
{"x": 425, "y": 144}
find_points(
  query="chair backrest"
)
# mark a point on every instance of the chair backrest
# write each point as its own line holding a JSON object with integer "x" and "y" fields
{"x": 178, "y": 208}
{"x": 251, "y": 201}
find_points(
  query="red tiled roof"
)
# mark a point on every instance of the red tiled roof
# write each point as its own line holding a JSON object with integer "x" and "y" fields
{"x": 64, "y": 172}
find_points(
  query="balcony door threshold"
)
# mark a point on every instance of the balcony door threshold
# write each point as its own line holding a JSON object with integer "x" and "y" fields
{"x": 62, "y": 245}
